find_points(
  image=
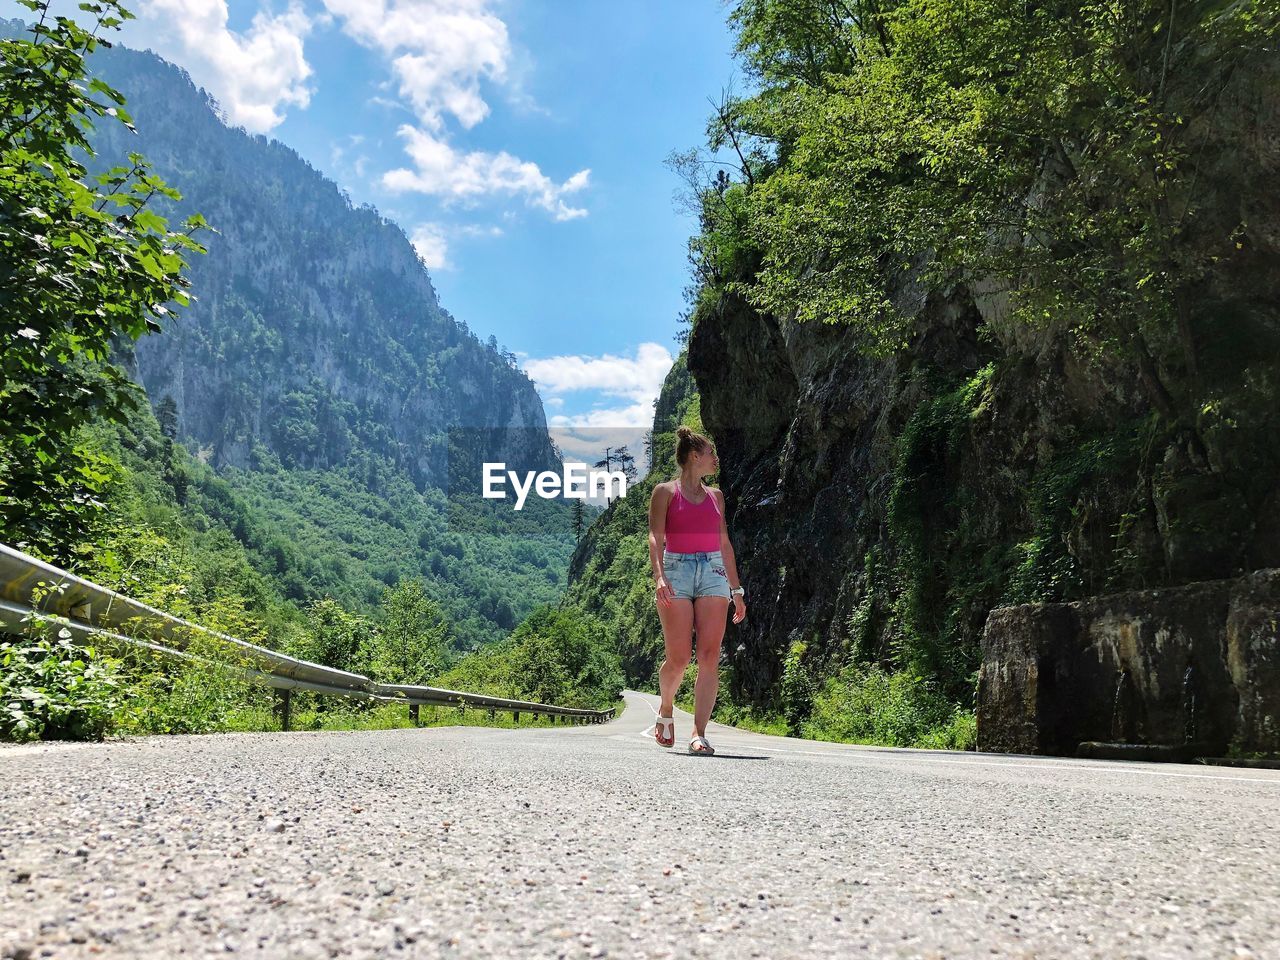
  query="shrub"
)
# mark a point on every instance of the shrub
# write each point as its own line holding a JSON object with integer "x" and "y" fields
{"x": 872, "y": 705}
{"x": 52, "y": 689}
{"x": 195, "y": 694}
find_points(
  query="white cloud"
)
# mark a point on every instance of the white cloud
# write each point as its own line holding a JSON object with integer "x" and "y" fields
{"x": 440, "y": 49}
{"x": 341, "y": 161}
{"x": 637, "y": 379}
{"x": 432, "y": 246}
{"x": 439, "y": 52}
{"x": 379, "y": 101}
{"x": 636, "y": 413}
{"x": 431, "y": 240}
{"x": 586, "y": 443}
{"x": 442, "y": 171}
{"x": 254, "y": 75}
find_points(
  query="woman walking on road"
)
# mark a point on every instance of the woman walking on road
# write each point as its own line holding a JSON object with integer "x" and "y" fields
{"x": 696, "y": 576}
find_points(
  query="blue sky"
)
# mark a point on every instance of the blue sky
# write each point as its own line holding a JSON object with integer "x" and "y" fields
{"x": 520, "y": 143}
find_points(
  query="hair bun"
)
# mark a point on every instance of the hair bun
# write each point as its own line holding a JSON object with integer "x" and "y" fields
{"x": 688, "y": 440}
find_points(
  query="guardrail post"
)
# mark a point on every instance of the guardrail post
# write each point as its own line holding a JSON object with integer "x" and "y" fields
{"x": 413, "y": 713}
{"x": 491, "y": 713}
{"x": 515, "y": 715}
{"x": 282, "y": 707}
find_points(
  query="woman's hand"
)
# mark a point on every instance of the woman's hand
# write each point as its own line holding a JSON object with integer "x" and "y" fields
{"x": 664, "y": 593}
{"x": 739, "y": 608}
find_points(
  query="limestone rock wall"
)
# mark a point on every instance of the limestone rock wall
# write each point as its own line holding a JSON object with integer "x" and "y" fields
{"x": 1199, "y": 662}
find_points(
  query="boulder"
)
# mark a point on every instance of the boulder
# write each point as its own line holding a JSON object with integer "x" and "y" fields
{"x": 1193, "y": 664}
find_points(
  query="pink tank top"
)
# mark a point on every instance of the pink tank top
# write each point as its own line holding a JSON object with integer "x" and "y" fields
{"x": 693, "y": 527}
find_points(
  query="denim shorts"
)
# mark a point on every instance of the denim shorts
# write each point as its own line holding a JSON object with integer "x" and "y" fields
{"x": 693, "y": 575}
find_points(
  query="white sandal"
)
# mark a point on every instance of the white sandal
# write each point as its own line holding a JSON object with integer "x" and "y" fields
{"x": 662, "y": 734}
{"x": 706, "y": 751}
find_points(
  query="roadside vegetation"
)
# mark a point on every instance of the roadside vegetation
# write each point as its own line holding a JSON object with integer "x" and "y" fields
{"x": 91, "y": 479}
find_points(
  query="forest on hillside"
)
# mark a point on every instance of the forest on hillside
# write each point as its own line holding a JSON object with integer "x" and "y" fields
{"x": 360, "y": 564}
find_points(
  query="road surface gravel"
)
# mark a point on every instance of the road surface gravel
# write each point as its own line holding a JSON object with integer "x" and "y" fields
{"x": 592, "y": 841}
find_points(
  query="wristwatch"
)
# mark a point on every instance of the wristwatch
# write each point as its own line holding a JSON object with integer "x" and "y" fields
{"x": 739, "y": 590}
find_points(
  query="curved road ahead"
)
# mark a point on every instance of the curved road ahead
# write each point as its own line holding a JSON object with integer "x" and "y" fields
{"x": 592, "y": 841}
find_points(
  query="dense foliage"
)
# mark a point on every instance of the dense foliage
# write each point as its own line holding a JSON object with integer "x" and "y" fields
{"x": 52, "y": 689}
{"x": 1053, "y": 153}
{"x": 186, "y": 558}
{"x": 84, "y": 261}
{"x": 556, "y": 655}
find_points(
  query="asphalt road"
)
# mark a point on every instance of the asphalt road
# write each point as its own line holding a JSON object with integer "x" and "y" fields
{"x": 593, "y": 841}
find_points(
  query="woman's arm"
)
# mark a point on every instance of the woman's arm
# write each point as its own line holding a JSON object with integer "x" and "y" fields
{"x": 657, "y": 539}
{"x": 726, "y": 547}
{"x": 730, "y": 564}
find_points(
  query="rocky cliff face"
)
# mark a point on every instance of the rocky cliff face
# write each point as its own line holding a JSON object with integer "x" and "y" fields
{"x": 316, "y": 331}
{"x": 881, "y": 509}
{"x": 807, "y": 434}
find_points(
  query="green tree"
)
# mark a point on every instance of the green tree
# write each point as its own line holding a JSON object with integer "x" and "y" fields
{"x": 561, "y": 655}
{"x": 334, "y": 637}
{"x": 412, "y": 640}
{"x": 538, "y": 663}
{"x": 1063, "y": 160}
{"x": 85, "y": 264}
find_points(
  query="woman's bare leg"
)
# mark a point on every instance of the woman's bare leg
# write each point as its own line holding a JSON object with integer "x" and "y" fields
{"x": 677, "y": 633}
{"x": 710, "y": 614}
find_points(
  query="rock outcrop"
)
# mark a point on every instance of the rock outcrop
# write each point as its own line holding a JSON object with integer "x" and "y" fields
{"x": 882, "y": 508}
{"x": 1193, "y": 664}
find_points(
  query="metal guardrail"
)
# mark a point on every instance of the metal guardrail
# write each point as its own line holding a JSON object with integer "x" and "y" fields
{"x": 32, "y": 587}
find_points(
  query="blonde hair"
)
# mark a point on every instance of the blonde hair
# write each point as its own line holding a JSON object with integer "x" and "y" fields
{"x": 687, "y": 441}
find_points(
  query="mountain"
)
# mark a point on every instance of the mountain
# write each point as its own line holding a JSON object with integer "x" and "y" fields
{"x": 316, "y": 332}
{"x": 342, "y": 412}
